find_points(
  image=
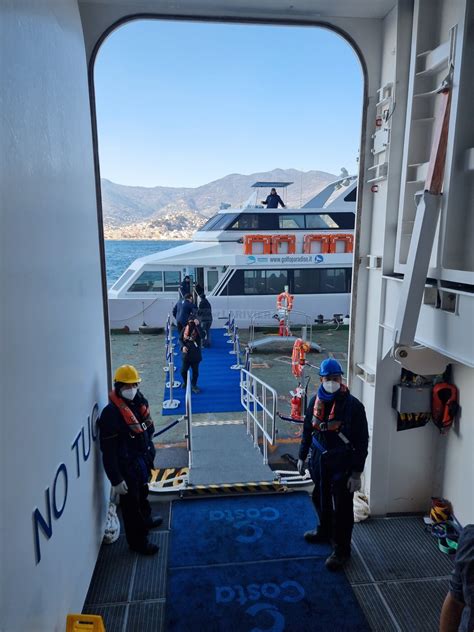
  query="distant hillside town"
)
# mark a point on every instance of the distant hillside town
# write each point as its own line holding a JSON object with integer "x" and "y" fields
{"x": 176, "y": 213}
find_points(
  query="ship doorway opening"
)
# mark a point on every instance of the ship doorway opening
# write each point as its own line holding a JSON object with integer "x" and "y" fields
{"x": 183, "y": 139}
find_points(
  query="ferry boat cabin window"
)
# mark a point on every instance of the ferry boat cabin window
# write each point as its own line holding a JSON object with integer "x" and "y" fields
{"x": 333, "y": 221}
{"x": 212, "y": 278}
{"x": 149, "y": 281}
{"x": 219, "y": 222}
{"x": 253, "y": 282}
{"x": 172, "y": 280}
{"x": 264, "y": 281}
{"x": 322, "y": 281}
{"x": 246, "y": 221}
{"x": 291, "y": 222}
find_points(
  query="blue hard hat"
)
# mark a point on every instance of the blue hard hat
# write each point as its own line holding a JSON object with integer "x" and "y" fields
{"x": 330, "y": 367}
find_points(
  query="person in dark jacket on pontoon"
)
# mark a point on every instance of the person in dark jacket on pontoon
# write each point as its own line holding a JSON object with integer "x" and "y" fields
{"x": 191, "y": 353}
{"x": 126, "y": 439}
{"x": 185, "y": 309}
{"x": 335, "y": 431}
{"x": 205, "y": 318}
{"x": 185, "y": 287}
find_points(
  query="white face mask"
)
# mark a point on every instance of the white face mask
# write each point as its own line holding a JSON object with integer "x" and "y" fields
{"x": 331, "y": 387}
{"x": 129, "y": 393}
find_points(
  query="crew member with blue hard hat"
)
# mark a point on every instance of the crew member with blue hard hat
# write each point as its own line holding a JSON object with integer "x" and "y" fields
{"x": 335, "y": 432}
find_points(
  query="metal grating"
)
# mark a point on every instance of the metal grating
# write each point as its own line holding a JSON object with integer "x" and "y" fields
{"x": 355, "y": 570}
{"x": 146, "y": 617}
{"x": 112, "y": 574}
{"x": 374, "y": 609}
{"x": 150, "y": 574}
{"x": 416, "y": 604}
{"x": 113, "y": 615}
{"x": 400, "y": 548}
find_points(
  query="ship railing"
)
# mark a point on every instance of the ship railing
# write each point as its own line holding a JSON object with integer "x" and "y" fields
{"x": 188, "y": 415}
{"x": 169, "y": 367}
{"x": 294, "y": 321}
{"x": 259, "y": 400}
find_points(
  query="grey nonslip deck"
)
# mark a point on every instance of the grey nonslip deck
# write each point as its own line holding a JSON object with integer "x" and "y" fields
{"x": 225, "y": 454}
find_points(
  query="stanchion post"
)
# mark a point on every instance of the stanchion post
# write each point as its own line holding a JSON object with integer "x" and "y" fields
{"x": 232, "y": 333}
{"x": 238, "y": 364}
{"x": 169, "y": 368}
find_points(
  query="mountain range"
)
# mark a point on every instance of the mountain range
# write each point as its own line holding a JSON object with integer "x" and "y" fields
{"x": 132, "y": 212}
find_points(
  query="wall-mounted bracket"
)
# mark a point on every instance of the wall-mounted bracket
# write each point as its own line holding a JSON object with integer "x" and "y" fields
{"x": 420, "y": 360}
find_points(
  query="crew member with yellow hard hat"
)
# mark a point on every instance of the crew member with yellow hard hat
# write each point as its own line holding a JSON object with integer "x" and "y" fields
{"x": 126, "y": 440}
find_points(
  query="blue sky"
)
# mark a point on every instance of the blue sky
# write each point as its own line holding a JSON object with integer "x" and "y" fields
{"x": 185, "y": 103}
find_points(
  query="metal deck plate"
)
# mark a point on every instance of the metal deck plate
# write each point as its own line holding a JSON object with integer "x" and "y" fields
{"x": 146, "y": 617}
{"x": 112, "y": 614}
{"x": 150, "y": 574}
{"x": 111, "y": 579}
{"x": 416, "y": 604}
{"x": 225, "y": 454}
{"x": 371, "y": 602}
{"x": 400, "y": 548}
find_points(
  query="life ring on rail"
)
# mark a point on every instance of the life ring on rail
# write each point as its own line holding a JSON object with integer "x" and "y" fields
{"x": 298, "y": 356}
{"x": 285, "y": 301}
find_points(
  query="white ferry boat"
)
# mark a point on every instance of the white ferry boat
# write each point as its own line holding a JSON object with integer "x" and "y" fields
{"x": 244, "y": 257}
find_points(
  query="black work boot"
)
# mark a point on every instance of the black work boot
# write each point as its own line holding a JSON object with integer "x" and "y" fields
{"x": 316, "y": 536}
{"x": 336, "y": 561}
{"x": 154, "y": 522}
{"x": 147, "y": 548}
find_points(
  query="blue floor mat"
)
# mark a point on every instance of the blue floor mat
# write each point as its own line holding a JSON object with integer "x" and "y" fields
{"x": 219, "y": 384}
{"x": 243, "y": 565}
{"x": 255, "y": 528}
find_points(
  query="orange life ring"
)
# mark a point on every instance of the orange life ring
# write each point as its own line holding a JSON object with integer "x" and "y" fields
{"x": 298, "y": 357}
{"x": 288, "y": 298}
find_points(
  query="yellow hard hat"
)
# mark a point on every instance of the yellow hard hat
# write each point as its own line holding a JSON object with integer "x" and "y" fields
{"x": 127, "y": 374}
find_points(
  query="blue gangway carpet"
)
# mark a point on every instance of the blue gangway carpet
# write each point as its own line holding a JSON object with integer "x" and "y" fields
{"x": 219, "y": 384}
{"x": 241, "y": 564}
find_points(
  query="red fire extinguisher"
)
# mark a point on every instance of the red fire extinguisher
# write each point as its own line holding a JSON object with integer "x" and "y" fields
{"x": 296, "y": 402}
{"x": 283, "y": 330}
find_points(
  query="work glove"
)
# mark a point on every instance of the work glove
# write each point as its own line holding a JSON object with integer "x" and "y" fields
{"x": 353, "y": 483}
{"x": 121, "y": 489}
{"x": 301, "y": 467}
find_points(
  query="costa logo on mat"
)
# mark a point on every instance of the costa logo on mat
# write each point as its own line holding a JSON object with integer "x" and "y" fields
{"x": 244, "y": 521}
{"x": 288, "y": 591}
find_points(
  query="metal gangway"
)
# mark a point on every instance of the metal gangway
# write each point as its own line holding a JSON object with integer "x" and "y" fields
{"x": 293, "y": 321}
{"x": 232, "y": 455}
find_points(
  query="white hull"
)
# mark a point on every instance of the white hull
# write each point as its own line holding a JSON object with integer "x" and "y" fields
{"x": 128, "y": 312}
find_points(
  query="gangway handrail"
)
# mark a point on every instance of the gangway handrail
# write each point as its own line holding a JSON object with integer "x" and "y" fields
{"x": 260, "y": 408}
{"x": 270, "y": 314}
{"x": 189, "y": 419}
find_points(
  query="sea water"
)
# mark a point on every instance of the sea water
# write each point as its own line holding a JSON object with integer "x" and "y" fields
{"x": 120, "y": 254}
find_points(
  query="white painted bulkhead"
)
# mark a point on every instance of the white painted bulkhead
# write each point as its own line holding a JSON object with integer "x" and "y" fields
{"x": 405, "y": 468}
{"x": 52, "y": 327}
